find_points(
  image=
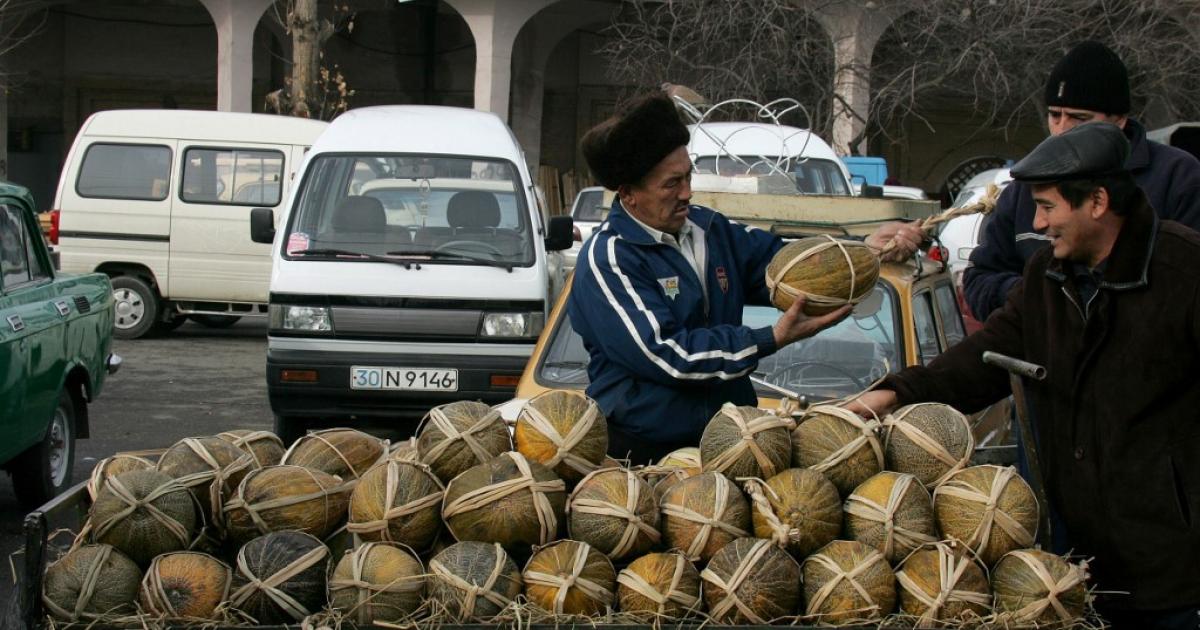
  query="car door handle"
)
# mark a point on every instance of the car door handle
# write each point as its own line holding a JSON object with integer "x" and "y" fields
{"x": 62, "y": 307}
{"x": 16, "y": 323}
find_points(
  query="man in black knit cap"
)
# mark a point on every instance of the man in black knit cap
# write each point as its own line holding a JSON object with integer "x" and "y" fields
{"x": 1090, "y": 83}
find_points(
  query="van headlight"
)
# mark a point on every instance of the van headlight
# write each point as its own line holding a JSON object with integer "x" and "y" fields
{"x": 513, "y": 325}
{"x": 300, "y": 318}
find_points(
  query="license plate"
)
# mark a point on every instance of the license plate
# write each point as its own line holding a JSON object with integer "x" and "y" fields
{"x": 404, "y": 378}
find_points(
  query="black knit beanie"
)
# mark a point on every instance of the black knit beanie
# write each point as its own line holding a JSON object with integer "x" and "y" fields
{"x": 1090, "y": 76}
{"x": 625, "y": 148}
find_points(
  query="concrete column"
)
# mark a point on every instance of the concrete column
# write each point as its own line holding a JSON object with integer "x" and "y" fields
{"x": 537, "y": 41}
{"x": 235, "y": 21}
{"x": 855, "y": 27}
{"x": 495, "y": 25}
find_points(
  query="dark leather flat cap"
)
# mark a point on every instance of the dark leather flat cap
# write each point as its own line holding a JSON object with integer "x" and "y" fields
{"x": 1093, "y": 149}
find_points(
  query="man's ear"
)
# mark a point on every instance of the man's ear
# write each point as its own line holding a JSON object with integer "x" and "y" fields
{"x": 1100, "y": 202}
{"x": 625, "y": 194}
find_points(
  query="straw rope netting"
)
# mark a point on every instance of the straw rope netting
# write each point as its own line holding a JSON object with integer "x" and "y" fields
{"x": 462, "y": 593}
{"x": 989, "y": 509}
{"x": 859, "y": 282}
{"x": 751, "y": 581}
{"x": 569, "y": 577}
{"x": 564, "y": 431}
{"x": 664, "y": 584}
{"x": 934, "y": 429}
{"x": 891, "y": 512}
{"x": 614, "y": 500}
{"x": 839, "y": 443}
{"x": 459, "y": 435}
{"x": 938, "y": 585}
{"x": 270, "y": 598}
{"x": 686, "y": 525}
{"x": 746, "y": 442}
{"x": 397, "y": 502}
{"x": 493, "y": 512}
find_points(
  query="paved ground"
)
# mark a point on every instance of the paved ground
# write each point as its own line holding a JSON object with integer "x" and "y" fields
{"x": 196, "y": 381}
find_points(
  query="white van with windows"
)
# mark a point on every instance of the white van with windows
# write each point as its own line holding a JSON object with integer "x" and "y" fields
{"x": 805, "y": 163}
{"x": 158, "y": 200}
{"x": 414, "y": 266}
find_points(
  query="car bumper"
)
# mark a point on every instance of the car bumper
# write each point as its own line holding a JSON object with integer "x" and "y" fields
{"x": 328, "y": 394}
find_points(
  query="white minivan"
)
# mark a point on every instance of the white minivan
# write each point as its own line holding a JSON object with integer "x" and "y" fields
{"x": 158, "y": 199}
{"x": 413, "y": 267}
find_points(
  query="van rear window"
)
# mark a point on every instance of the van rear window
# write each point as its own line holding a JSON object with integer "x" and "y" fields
{"x": 232, "y": 176}
{"x": 125, "y": 171}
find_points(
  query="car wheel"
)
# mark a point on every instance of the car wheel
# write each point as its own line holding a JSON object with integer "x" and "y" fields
{"x": 290, "y": 429}
{"x": 44, "y": 471}
{"x": 136, "y": 308}
{"x": 216, "y": 321}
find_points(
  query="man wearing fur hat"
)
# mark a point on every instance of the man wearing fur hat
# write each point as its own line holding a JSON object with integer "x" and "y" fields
{"x": 1090, "y": 83}
{"x": 1109, "y": 308}
{"x": 659, "y": 291}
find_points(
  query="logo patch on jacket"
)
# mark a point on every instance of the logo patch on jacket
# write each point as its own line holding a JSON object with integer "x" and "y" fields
{"x": 670, "y": 286}
{"x": 723, "y": 279}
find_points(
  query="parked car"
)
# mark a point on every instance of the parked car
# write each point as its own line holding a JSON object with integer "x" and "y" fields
{"x": 910, "y": 318}
{"x": 587, "y": 213}
{"x": 960, "y": 235}
{"x": 414, "y": 266}
{"x": 55, "y": 339}
{"x": 749, "y": 148}
{"x": 157, "y": 200}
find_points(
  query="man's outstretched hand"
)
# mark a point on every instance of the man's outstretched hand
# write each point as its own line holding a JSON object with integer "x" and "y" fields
{"x": 794, "y": 325}
{"x": 906, "y": 236}
{"x": 880, "y": 401}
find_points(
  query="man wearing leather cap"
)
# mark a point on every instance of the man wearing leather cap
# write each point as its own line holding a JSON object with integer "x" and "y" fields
{"x": 1090, "y": 83}
{"x": 659, "y": 291}
{"x": 1112, "y": 310}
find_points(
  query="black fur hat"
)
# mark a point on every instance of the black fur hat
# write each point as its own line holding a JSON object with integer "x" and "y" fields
{"x": 625, "y": 148}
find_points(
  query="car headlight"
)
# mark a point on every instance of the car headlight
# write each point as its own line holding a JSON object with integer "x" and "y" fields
{"x": 300, "y": 318}
{"x": 512, "y": 325}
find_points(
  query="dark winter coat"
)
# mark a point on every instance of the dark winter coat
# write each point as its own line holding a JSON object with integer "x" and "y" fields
{"x": 1170, "y": 178}
{"x": 1119, "y": 410}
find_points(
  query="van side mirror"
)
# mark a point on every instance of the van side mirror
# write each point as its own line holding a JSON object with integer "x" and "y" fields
{"x": 560, "y": 234}
{"x": 872, "y": 192}
{"x": 262, "y": 225}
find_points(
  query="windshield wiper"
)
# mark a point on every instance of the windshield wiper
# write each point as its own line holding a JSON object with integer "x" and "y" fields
{"x": 436, "y": 254}
{"x": 407, "y": 264}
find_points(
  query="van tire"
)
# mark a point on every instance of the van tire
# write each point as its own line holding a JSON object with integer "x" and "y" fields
{"x": 44, "y": 470}
{"x": 290, "y": 429}
{"x": 216, "y": 321}
{"x": 136, "y": 307}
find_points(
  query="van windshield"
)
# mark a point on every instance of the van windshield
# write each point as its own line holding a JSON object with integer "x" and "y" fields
{"x": 812, "y": 176}
{"x": 438, "y": 209}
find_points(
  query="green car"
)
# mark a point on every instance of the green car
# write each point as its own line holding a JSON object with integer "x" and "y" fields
{"x": 55, "y": 351}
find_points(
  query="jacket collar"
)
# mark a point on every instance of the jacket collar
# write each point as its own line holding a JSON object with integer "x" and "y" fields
{"x": 1139, "y": 146}
{"x": 1128, "y": 265}
{"x": 630, "y": 230}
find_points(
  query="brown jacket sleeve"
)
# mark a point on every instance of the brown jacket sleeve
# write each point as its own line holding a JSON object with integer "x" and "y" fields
{"x": 959, "y": 377}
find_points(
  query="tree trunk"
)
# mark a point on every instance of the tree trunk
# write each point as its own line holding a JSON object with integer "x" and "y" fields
{"x": 305, "y": 27}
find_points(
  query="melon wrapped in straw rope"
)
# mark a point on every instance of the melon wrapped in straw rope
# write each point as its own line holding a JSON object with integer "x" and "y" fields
{"x": 508, "y": 500}
{"x": 209, "y": 467}
{"x": 474, "y": 580}
{"x": 405, "y": 451}
{"x": 751, "y": 581}
{"x": 279, "y": 498}
{"x": 686, "y": 457}
{"x": 346, "y": 453}
{"x": 938, "y": 584}
{"x": 185, "y": 584}
{"x": 397, "y": 502}
{"x": 263, "y": 446}
{"x": 847, "y": 581}
{"x": 615, "y": 512}
{"x": 144, "y": 513}
{"x": 746, "y": 442}
{"x": 377, "y": 582}
{"x": 838, "y": 443}
{"x": 280, "y": 577}
{"x": 660, "y": 585}
{"x": 702, "y": 514}
{"x": 568, "y": 577}
{"x": 1033, "y": 587}
{"x": 930, "y": 441}
{"x": 828, "y": 272}
{"x": 460, "y": 435}
{"x": 115, "y": 465}
{"x": 799, "y": 510}
{"x": 564, "y": 431}
{"x": 90, "y": 581}
{"x": 891, "y": 512}
{"x": 989, "y": 509}
{"x": 671, "y": 477}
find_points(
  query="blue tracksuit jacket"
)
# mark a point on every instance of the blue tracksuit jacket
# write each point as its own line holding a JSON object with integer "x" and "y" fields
{"x": 1169, "y": 176}
{"x": 664, "y": 359}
